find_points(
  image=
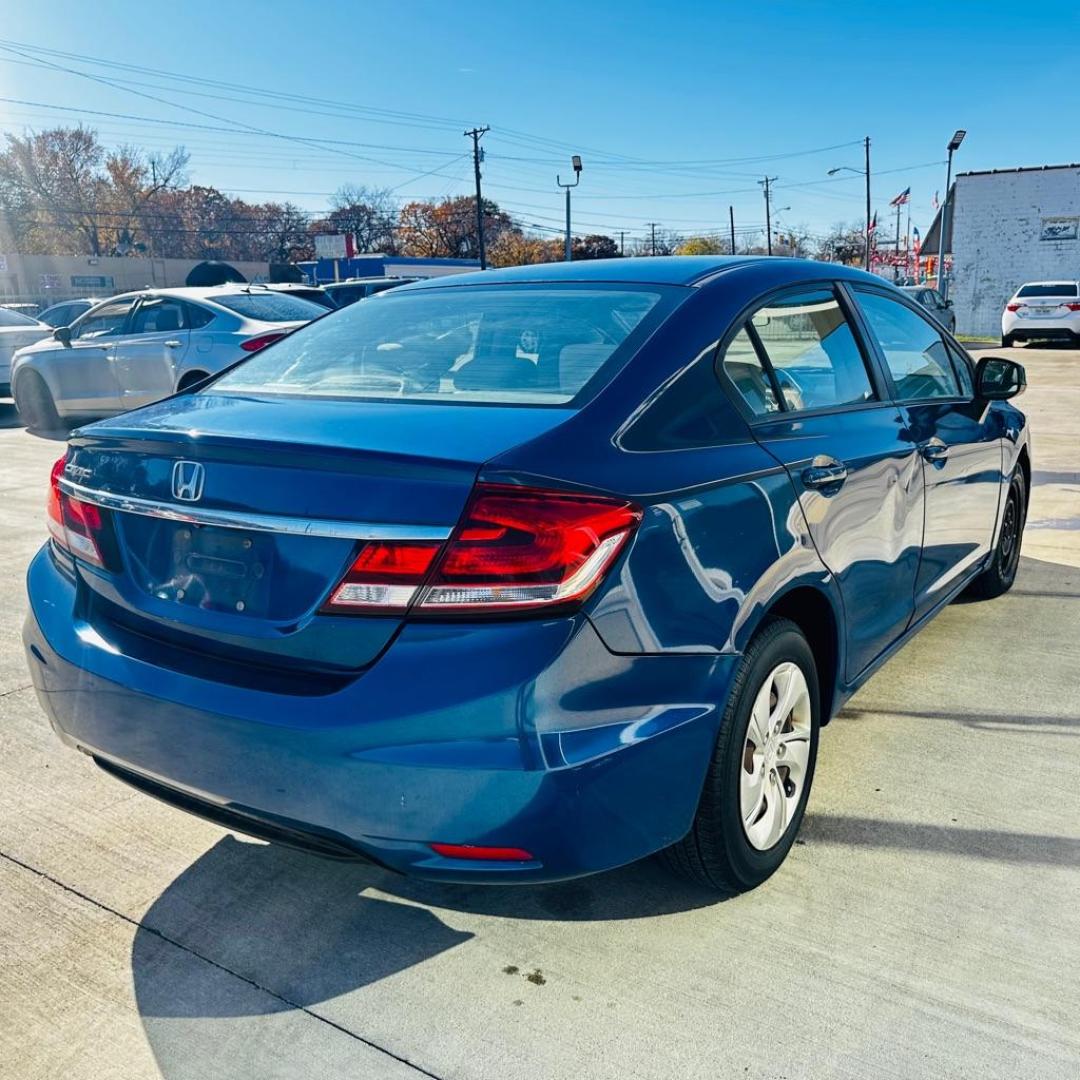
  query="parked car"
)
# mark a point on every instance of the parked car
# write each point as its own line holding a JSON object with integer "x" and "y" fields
{"x": 525, "y": 575}
{"x": 16, "y": 330}
{"x": 141, "y": 346}
{"x": 67, "y": 311}
{"x": 1046, "y": 310}
{"x": 344, "y": 293}
{"x": 931, "y": 299}
{"x": 315, "y": 293}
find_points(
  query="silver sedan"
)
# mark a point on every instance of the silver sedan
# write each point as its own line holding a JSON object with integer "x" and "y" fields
{"x": 139, "y": 347}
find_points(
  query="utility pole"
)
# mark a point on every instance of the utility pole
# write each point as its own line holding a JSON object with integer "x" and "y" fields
{"x": 731, "y": 216}
{"x": 652, "y": 225}
{"x": 575, "y": 161}
{"x": 768, "y": 211}
{"x": 866, "y": 257}
{"x": 622, "y": 244}
{"x": 942, "y": 284}
{"x": 477, "y": 156}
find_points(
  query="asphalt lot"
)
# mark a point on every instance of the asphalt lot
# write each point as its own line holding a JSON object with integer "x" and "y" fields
{"x": 927, "y": 923}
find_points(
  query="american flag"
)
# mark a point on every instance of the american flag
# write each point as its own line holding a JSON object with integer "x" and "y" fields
{"x": 916, "y": 243}
{"x": 935, "y": 202}
{"x": 903, "y": 197}
{"x": 873, "y": 224}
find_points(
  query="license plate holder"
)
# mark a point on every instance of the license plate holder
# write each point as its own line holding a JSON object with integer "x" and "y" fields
{"x": 220, "y": 569}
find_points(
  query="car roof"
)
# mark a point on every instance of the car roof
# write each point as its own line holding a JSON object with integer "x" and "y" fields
{"x": 685, "y": 270}
{"x": 368, "y": 280}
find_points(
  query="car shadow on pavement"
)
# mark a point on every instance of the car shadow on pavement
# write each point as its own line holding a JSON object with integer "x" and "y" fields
{"x": 253, "y": 941}
{"x": 9, "y": 418}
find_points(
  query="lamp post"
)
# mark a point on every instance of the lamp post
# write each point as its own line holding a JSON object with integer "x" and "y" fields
{"x": 866, "y": 173}
{"x": 942, "y": 282}
{"x": 575, "y": 161}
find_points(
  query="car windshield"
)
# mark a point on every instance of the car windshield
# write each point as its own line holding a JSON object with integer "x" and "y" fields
{"x": 1053, "y": 288}
{"x": 13, "y": 318}
{"x": 270, "y": 306}
{"x": 525, "y": 344}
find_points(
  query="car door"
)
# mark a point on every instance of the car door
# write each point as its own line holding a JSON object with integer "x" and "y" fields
{"x": 816, "y": 402}
{"x": 959, "y": 438}
{"x": 84, "y": 380}
{"x": 149, "y": 354}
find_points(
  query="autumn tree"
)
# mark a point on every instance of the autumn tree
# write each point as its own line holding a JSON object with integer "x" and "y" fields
{"x": 512, "y": 247}
{"x": 368, "y": 214}
{"x": 704, "y": 245}
{"x": 594, "y": 246}
{"x": 448, "y": 229}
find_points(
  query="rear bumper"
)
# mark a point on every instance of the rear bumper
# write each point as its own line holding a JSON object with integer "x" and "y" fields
{"x": 1059, "y": 329}
{"x": 528, "y": 734}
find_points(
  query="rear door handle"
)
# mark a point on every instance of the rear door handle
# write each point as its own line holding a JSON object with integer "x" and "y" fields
{"x": 827, "y": 473}
{"x": 935, "y": 451}
{"x": 172, "y": 343}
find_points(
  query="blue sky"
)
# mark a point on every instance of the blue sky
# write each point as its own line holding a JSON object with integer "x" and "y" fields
{"x": 674, "y": 109}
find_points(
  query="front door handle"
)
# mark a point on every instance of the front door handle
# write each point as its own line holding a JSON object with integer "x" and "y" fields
{"x": 936, "y": 452}
{"x": 824, "y": 473}
{"x": 172, "y": 343}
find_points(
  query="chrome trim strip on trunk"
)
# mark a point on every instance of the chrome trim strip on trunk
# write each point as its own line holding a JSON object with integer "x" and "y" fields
{"x": 242, "y": 519}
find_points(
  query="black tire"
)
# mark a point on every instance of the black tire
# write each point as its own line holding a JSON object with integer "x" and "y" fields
{"x": 1008, "y": 341}
{"x": 34, "y": 403}
{"x": 190, "y": 379}
{"x": 999, "y": 575}
{"x": 716, "y": 852}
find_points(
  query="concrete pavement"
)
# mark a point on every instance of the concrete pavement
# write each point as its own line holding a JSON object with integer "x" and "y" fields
{"x": 925, "y": 925}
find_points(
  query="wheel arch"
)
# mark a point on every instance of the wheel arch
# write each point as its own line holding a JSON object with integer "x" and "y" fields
{"x": 812, "y": 610}
{"x": 190, "y": 378}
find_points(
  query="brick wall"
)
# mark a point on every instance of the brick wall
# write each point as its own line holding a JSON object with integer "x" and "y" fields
{"x": 996, "y": 239}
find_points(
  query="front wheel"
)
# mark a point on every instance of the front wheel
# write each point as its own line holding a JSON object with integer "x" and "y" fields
{"x": 999, "y": 576}
{"x": 762, "y": 768}
{"x": 34, "y": 403}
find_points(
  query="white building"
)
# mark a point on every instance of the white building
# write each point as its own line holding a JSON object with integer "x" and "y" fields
{"x": 1010, "y": 226}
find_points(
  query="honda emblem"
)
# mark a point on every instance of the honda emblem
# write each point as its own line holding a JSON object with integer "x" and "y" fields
{"x": 187, "y": 481}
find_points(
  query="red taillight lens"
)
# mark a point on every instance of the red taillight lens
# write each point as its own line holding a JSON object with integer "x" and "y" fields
{"x": 386, "y": 574}
{"x": 481, "y": 853}
{"x": 78, "y": 527}
{"x": 525, "y": 548}
{"x": 1013, "y": 307}
{"x": 1073, "y": 306}
{"x": 516, "y": 549}
{"x": 256, "y": 343}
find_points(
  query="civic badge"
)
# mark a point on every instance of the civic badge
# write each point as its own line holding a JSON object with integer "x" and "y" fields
{"x": 187, "y": 481}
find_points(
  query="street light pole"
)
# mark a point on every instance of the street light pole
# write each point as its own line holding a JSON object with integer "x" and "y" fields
{"x": 575, "y": 161}
{"x": 942, "y": 283}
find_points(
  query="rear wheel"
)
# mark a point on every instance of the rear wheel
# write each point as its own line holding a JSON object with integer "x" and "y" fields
{"x": 1007, "y": 341}
{"x": 999, "y": 576}
{"x": 35, "y": 404}
{"x": 190, "y": 379}
{"x": 762, "y": 768}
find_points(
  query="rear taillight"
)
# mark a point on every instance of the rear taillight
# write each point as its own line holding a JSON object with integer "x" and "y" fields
{"x": 1073, "y": 306}
{"x": 1013, "y": 307}
{"x": 78, "y": 527}
{"x": 256, "y": 343}
{"x": 516, "y": 549}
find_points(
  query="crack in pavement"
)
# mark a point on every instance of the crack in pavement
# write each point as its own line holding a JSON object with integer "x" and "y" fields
{"x": 138, "y": 924}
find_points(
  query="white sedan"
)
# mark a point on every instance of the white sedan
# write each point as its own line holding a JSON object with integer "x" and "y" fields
{"x": 1042, "y": 310}
{"x": 140, "y": 347}
{"x": 16, "y": 330}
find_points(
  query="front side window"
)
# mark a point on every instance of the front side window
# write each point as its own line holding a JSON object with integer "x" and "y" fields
{"x": 106, "y": 320}
{"x": 524, "y": 344}
{"x": 810, "y": 346}
{"x": 914, "y": 349}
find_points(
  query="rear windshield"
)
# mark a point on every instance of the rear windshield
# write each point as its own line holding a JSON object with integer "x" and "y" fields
{"x": 270, "y": 306}
{"x": 525, "y": 344}
{"x": 1055, "y": 288}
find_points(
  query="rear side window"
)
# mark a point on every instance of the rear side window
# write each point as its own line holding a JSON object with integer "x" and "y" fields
{"x": 271, "y": 307}
{"x": 524, "y": 344}
{"x": 1055, "y": 288}
{"x": 807, "y": 341}
{"x": 159, "y": 315}
{"x": 197, "y": 316}
{"x": 744, "y": 368}
{"x": 914, "y": 350}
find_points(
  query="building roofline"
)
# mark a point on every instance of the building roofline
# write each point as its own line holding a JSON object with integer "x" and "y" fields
{"x": 1019, "y": 169}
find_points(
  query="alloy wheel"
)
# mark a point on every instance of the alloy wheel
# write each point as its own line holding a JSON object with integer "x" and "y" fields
{"x": 776, "y": 753}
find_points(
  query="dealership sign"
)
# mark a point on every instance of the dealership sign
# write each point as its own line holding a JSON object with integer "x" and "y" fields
{"x": 331, "y": 246}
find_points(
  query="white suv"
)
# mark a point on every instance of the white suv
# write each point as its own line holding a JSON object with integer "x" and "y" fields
{"x": 1042, "y": 309}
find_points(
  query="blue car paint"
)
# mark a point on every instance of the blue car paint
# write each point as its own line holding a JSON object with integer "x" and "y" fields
{"x": 584, "y": 738}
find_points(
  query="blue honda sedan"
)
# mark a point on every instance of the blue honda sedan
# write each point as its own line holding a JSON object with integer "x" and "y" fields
{"x": 524, "y": 575}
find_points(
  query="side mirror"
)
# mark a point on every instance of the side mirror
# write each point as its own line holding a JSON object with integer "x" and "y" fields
{"x": 63, "y": 335}
{"x": 948, "y": 303}
{"x": 998, "y": 379}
